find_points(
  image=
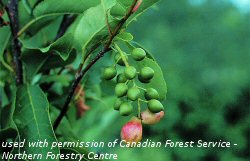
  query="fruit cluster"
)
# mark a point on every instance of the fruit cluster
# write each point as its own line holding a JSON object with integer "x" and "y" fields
{"x": 127, "y": 91}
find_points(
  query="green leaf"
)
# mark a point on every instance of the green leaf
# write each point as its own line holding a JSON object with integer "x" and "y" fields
{"x": 55, "y": 62}
{"x": 62, "y": 46}
{"x": 36, "y": 61}
{"x": 6, "y": 113}
{"x": 118, "y": 11}
{"x": 4, "y": 99}
{"x": 158, "y": 82}
{"x": 6, "y": 116}
{"x": 122, "y": 6}
{"x": 146, "y": 4}
{"x": 4, "y": 39}
{"x": 24, "y": 13}
{"x": 46, "y": 35}
{"x": 38, "y": 26}
{"x": 52, "y": 7}
{"x": 63, "y": 79}
{"x": 31, "y": 117}
{"x": 49, "y": 8}
{"x": 65, "y": 129}
{"x": 124, "y": 36}
{"x": 91, "y": 26}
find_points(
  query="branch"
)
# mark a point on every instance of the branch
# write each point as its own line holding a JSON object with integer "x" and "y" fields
{"x": 12, "y": 11}
{"x": 91, "y": 63}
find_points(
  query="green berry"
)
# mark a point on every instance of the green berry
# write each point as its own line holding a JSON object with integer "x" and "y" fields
{"x": 121, "y": 78}
{"x": 155, "y": 106}
{"x": 138, "y": 54}
{"x": 109, "y": 73}
{"x": 130, "y": 72}
{"x": 147, "y": 73}
{"x": 133, "y": 93}
{"x": 126, "y": 109}
{"x": 119, "y": 60}
{"x": 117, "y": 104}
{"x": 151, "y": 93}
{"x": 142, "y": 80}
{"x": 121, "y": 89}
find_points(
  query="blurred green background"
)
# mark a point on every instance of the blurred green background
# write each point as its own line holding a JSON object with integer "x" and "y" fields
{"x": 203, "y": 47}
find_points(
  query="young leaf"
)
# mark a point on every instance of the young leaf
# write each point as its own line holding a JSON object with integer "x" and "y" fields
{"x": 31, "y": 117}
